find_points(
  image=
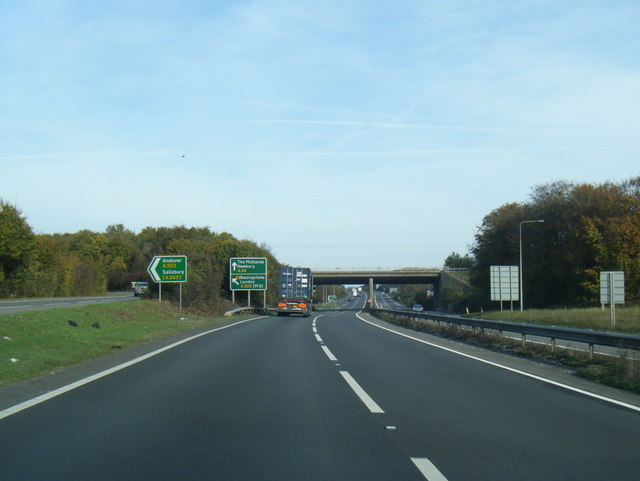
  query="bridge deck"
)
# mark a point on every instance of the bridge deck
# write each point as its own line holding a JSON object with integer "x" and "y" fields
{"x": 404, "y": 276}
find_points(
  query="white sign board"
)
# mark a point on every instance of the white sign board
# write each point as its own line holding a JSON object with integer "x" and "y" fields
{"x": 612, "y": 287}
{"x": 505, "y": 284}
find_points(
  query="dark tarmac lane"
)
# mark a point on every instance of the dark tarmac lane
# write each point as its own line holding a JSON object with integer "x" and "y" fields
{"x": 323, "y": 398}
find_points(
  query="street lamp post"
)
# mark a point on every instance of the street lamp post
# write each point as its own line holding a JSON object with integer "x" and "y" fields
{"x": 520, "y": 268}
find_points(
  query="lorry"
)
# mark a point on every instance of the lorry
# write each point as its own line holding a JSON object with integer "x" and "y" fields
{"x": 295, "y": 294}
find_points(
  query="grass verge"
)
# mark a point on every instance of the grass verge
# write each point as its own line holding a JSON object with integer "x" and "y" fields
{"x": 627, "y": 318}
{"x": 623, "y": 373}
{"x": 33, "y": 343}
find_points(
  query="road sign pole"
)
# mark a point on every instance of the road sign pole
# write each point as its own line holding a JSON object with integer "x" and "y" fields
{"x": 159, "y": 292}
{"x": 612, "y": 297}
{"x": 180, "y": 296}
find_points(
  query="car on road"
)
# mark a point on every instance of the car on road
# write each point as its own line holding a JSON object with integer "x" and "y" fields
{"x": 418, "y": 307}
{"x": 140, "y": 288}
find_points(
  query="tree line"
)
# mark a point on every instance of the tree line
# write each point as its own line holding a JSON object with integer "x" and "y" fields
{"x": 89, "y": 263}
{"x": 587, "y": 229}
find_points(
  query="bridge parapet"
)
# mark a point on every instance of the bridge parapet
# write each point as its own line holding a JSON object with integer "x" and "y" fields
{"x": 393, "y": 276}
{"x": 376, "y": 269}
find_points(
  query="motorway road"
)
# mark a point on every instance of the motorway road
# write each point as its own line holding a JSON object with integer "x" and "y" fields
{"x": 331, "y": 397}
{"x": 11, "y": 306}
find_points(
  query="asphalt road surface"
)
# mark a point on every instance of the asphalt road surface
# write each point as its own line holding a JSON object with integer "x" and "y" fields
{"x": 331, "y": 397}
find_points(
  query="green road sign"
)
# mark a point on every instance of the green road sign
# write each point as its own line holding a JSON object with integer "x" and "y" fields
{"x": 245, "y": 282}
{"x": 248, "y": 273}
{"x": 168, "y": 268}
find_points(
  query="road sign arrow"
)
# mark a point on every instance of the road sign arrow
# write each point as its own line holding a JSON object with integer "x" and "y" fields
{"x": 152, "y": 269}
{"x": 234, "y": 265}
{"x": 235, "y": 281}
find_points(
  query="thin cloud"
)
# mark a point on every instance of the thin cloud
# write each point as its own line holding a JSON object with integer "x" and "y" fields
{"x": 92, "y": 156}
{"x": 397, "y": 125}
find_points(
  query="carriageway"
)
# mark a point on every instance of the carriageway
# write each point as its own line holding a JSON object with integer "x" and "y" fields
{"x": 436, "y": 277}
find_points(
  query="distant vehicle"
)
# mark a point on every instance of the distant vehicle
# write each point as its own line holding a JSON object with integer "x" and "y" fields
{"x": 418, "y": 308}
{"x": 140, "y": 288}
{"x": 296, "y": 291}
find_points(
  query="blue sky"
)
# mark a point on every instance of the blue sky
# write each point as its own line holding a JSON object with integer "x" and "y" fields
{"x": 354, "y": 134}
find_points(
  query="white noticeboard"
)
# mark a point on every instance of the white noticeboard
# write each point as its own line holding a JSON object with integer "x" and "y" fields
{"x": 612, "y": 287}
{"x": 612, "y": 291}
{"x": 505, "y": 283}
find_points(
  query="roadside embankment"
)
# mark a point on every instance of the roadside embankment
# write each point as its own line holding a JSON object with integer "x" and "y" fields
{"x": 34, "y": 343}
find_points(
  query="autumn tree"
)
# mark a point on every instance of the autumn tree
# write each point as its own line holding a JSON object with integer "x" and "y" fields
{"x": 457, "y": 261}
{"x": 16, "y": 244}
{"x": 587, "y": 229}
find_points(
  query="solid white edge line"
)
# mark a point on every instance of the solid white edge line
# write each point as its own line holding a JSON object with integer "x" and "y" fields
{"x": 364, "y": 397}
{"x": 428, "y": 470}
{"x": 329, "y": 353}
{"x": 69, "y": 387}
{"x": 516, "y": 371}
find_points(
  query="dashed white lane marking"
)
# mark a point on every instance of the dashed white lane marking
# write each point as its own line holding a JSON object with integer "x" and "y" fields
{"x": 426, "y": 467}
{"x": 57, "y": 392}
{"x": 329, "y": 354}
{"x": 364, "y": 397}
{"x": 428, "y": 470}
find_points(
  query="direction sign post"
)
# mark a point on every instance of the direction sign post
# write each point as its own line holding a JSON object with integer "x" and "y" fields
{"x": 248, "y": 274}
{"x": 168, "y": 269}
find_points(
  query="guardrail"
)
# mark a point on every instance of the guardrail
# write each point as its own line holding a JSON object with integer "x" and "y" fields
{"x": 251, "y": 310}
{"x": 586, "y": 336}
{"x": 385, "y": 269}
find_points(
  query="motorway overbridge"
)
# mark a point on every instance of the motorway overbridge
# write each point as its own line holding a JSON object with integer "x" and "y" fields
{"x": 438, "y": 278}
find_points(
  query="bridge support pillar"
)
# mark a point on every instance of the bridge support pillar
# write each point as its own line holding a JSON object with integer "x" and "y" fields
{"x": 371, "y": 293}
{"x": 437, "y": 294}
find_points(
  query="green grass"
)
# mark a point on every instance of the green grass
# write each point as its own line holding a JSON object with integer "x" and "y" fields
{"x": 627, "y": 318}
{"x": 325, "y": 305}
{"x": 44, "y": 342}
